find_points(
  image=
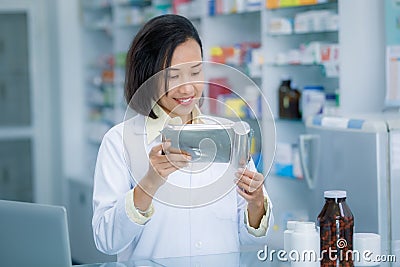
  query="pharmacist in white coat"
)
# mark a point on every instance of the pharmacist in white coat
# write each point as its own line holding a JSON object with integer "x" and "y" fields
{"x": 147, "y": 201}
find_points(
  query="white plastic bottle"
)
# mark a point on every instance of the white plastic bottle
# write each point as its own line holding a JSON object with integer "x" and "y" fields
{"x": 287, "y": 235}
{"x": 305, "y": 250}
{"x": 251, "y": 96}
{"x": 312, "y": 101}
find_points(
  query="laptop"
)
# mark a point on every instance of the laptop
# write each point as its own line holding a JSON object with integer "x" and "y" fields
{"x": 33, "y": 235}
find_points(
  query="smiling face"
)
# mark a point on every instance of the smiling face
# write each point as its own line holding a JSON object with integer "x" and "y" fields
{"x": 183, "y": 94}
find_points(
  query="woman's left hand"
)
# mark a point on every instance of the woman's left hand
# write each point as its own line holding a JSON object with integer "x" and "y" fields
{"x": 250, "y": 187}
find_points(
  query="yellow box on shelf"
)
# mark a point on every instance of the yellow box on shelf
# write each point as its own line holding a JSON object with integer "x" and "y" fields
{"x": 272, "y": 4}
{"x": 287, "y": 3}
{"x": 235, "y": 107}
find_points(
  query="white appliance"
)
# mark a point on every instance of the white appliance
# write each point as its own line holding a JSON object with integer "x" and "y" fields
{"x": 359, "y": 154}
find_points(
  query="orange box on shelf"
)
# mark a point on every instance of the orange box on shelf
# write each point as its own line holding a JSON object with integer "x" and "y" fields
{"x": 330, "y": 53}
{"x": 271, "y": 4}
{"x": 307, "y": 2}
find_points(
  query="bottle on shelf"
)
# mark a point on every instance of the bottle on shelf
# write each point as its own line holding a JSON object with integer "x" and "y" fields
{"x": 252, "y": 98}
{"x": 312, "y": 101}
{"x": 336, "y": 223}
{"x": 289, "y": 98}
{"x": 283, "y": 91}
{"x": 330, "y": 107}
{"x": 294, "y": 102}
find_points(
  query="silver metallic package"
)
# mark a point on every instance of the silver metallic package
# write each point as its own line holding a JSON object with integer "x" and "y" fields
{"x": 219, "y": 143}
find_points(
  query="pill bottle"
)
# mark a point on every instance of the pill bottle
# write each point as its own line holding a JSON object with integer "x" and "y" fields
{"x": 305, "y": 251}
{"x": 290, "y": 225}
{"x": 312, "y": 100}
{"x": 289, "y": 99}
{"x": 336, "y": 226}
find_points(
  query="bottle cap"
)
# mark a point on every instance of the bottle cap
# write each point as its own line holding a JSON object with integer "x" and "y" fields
{"x": 285, "y": 77}
{"x": 304, "y": 227}
{"x": 290, "y": 225}
{"x": 314, "y": 87}
{"x": 335, "y": 194}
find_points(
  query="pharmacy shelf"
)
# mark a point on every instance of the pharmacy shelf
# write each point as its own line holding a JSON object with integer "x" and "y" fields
{"x": 310, "y": 33}
{"x": 276, "y": 47}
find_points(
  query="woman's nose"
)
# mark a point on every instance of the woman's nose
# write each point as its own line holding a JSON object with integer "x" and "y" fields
{"x": 186, "y": 88}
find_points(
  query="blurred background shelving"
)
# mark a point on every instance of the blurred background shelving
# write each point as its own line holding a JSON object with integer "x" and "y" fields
{"x": 235, "y": 33}
{"x": 93, "y": 37}
{"x": 61, "y": 88}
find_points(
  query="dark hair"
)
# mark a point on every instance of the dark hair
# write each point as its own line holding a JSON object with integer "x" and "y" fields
{"x": 150, "y": 52}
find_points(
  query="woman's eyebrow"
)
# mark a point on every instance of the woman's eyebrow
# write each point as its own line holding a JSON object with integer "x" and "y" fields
{"x": 194, "y": 66}
{"x": 198, "y": 64}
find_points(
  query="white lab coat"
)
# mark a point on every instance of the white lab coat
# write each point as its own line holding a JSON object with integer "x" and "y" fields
{"x": 172, "y": 231}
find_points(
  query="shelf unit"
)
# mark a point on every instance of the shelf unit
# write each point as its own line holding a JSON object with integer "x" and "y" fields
{"x": 285, "y": 55}
{"x": 310, "y": 73}
{"x": 292, "y": 205}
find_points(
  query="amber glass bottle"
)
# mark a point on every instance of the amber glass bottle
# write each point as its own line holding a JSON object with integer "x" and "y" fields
{"x": 288, "y": 100}
{"x": 283, "y": 91}
{"x": 336, "y": 224}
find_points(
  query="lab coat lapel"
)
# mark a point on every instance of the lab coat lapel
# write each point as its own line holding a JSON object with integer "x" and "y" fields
{"x": 134, "y": 137}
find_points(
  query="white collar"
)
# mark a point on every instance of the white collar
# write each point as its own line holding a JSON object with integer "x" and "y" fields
{"x": 154, "y": 126}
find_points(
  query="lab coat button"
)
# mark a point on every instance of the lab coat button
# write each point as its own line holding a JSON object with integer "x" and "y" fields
{"x": 199, "y": 244}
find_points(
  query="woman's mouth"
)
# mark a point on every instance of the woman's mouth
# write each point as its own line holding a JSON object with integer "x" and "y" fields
{"x": 184, "y": 101}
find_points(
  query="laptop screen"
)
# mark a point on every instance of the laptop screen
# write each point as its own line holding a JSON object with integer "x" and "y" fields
{"x": 33, "y": 235}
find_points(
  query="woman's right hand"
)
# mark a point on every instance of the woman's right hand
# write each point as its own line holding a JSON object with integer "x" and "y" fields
{"x": 164, "y": 160}
{"x": 160, "y": 166}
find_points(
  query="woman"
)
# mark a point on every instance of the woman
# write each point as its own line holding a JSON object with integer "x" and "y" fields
{"x": 129, "y": 219}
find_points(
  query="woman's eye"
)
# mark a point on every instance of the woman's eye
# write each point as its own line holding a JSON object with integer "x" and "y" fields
{"x": 195, "y": 73}
{"x": 174, "y": 76}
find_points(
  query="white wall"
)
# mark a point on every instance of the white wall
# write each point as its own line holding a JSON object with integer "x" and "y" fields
{"x": 362, "y": 55}
{"x": 51, "y": 13}
{"x": 71, "y": 86}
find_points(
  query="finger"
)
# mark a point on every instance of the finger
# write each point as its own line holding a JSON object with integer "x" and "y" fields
{"x": 165, "y": 146}
{"x": 174, "y": 150}
{"x": 241, "y": 192}
{"x": 178, "y": 157}
{"x": 250, "y": 188}
{"x": 253, "y": 175}
{"x": 168, "y": 148}
{"x": 247, "y": 172}
{"x": 166, "y": 165}
{"x": 248, "y": 181}
{"x": 155, "y": 150}
{"x": 244, "y": 186}
{"x": 169, "y": 158}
